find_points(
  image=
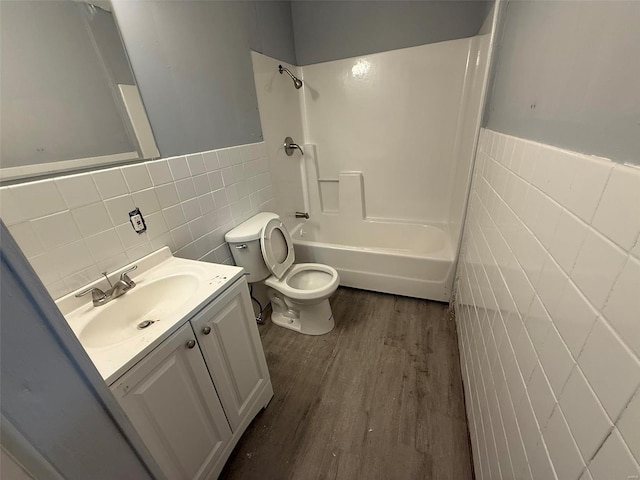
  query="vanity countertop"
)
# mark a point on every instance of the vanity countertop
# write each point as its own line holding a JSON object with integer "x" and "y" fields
{"x": 192, "y": 284}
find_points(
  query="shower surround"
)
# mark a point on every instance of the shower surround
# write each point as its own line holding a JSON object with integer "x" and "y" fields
{"x": 388, "y": 140}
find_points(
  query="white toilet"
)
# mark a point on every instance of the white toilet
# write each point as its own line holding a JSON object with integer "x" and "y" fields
{"x": 298, "y": 293}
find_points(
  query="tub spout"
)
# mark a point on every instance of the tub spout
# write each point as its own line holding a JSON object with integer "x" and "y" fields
{"x": 302, "y": 215}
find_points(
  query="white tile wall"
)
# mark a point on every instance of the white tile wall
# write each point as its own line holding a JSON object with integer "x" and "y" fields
{"x": 72, "y": 228}
{"x": 548, "y": 312}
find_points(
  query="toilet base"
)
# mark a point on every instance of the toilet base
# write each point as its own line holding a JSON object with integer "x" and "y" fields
{"x": 310, "y": 319}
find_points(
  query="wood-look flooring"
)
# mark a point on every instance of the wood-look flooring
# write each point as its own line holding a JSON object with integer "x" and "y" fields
{"x": 379, "y": 397}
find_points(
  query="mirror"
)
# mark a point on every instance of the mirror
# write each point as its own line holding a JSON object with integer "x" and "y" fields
{"x": 68, "y": 97}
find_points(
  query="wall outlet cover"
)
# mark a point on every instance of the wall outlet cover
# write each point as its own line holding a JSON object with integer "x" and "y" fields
{"x": 137, "y": 221}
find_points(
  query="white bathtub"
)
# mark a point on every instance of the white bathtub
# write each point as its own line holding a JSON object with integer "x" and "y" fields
{"x": 400, "y": 258}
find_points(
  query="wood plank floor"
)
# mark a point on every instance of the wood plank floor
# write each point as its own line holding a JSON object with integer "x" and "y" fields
{"x": 380, "y": 397}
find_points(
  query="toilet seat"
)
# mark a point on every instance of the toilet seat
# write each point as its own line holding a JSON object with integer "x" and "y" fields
{"x": 277, "y": 247}
{"x": 306, "y": 282}
{"x": 303, "y": 282}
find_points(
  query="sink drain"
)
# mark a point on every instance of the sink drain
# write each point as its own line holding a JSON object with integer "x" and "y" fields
{"x": 145, "y": 324}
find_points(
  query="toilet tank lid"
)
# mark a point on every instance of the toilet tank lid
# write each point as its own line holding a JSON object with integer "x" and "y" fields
{"x": 249, "y": 229}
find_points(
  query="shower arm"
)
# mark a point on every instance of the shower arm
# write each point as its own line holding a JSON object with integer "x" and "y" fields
{"x": 297, "y": 83}
{"x": 283, "y": 69}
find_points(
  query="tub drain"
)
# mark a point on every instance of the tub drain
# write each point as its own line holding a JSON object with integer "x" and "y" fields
{"x": 145, "y": 324}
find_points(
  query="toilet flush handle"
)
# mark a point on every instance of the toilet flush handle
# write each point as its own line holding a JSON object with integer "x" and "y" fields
{"x": 241, "y": 246}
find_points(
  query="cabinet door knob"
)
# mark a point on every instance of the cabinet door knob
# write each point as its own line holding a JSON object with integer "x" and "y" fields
{"x": 206, "y": 330}
{"x": 191, "y": 343}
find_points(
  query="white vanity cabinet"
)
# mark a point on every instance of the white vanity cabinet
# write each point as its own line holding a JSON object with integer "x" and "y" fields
{"x": 192, "y": 397}
{"x": 233, "y": 352}
{"x": 169, "y": 398}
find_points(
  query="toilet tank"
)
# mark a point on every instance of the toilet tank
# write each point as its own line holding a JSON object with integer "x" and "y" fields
{"x": 244, "y": 242}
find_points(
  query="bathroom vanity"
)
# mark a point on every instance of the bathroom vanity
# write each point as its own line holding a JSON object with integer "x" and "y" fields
{"x": 193, "y": 379}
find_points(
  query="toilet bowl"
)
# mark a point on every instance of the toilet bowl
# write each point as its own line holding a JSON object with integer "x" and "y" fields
{"x": 299, "y": 300}
{"x": 306, "y": 282}
{"x": 299, "y": 293}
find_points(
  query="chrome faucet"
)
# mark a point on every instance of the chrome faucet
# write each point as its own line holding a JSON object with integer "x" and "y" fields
{"x": 122, "y": 286}
{"x": 302, "y": 215}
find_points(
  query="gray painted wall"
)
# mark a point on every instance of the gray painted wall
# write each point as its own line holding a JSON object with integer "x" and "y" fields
{"x": 45, "y": 396}
{"x": 568, "y": 74}
{"x": 193, "y": 66}
{"x": 55, "y": 99}
{"x": 331, "y": 30}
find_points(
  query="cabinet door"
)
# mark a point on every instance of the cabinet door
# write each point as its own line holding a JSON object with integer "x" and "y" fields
{"x": 230, "y": 342}
{"x": 172, "y": 403}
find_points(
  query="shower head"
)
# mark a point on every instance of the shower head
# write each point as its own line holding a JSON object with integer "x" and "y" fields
{"x": 296, "y": 81}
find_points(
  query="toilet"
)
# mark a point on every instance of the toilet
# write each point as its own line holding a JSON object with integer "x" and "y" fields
{"x": 299, "y": 293}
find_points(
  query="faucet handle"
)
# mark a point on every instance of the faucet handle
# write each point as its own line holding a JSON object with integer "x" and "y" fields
{"x": 125, "y": 278}
{"x": 97, "y": 295}
{"x": 290, "y": 147}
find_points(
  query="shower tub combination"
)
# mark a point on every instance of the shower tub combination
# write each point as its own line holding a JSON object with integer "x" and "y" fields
{"x": 383, "y": 255}
{"x": 402, "y": 235}
{"x": 407, "y": 259}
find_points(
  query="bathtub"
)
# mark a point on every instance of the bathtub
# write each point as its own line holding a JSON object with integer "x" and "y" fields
{"x": 400, "y": 258}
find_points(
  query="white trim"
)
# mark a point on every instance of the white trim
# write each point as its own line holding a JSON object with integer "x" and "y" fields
{"x": 483, "y": 99}
{"x": 139, "y": 120}
{"x": 24, "y": 453}
{"x": 14, "y": 173}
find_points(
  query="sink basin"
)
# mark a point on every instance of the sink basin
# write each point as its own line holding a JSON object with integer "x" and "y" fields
{"x": 118, "y": 321}
{"x": 168, "y": 292}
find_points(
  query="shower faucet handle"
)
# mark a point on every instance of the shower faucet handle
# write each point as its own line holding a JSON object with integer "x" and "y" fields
{"x": 290, "y": 147}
